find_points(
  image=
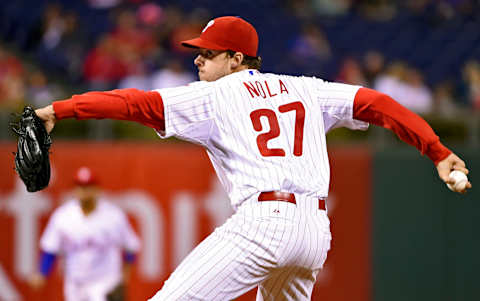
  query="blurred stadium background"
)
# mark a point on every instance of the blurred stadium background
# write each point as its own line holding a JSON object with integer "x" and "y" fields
{"x": 399, "y": 234}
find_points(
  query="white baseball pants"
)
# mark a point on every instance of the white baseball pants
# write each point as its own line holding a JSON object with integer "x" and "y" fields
{"x": 275, "y": 245}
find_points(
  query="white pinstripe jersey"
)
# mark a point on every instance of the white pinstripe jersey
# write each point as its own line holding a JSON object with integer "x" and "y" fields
{"x": 92, "y": 245}
{"x": 262, "y": 131}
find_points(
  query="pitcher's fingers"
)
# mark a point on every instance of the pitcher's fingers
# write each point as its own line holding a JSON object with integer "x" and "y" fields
{"x": 444, "y": 175}
{"x": 462, "y": 169}
{"x": 458, "y": 162}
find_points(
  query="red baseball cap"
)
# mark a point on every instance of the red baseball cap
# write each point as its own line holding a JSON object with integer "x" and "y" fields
{"x": 85, "y": 177}
{"x": 227, "y": 33}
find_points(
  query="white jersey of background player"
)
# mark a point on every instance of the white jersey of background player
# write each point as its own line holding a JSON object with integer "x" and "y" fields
{"x": 265, "y": 135}
{"x": 95, "y": 239}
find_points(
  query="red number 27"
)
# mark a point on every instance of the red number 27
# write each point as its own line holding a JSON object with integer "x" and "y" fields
{"x": 274, "y": 131}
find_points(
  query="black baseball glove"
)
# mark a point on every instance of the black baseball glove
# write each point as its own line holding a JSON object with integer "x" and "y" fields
{"x": 32, "y": 161}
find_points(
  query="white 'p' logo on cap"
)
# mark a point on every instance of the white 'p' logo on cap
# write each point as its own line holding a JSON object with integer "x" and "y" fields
{"x": 210, "y": 23}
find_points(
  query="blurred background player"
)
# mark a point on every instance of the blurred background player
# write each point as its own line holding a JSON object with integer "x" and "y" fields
{"x": 92, "y": 235}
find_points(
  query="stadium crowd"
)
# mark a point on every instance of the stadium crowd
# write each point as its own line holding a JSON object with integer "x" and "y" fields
{"x": 426, "y": 54}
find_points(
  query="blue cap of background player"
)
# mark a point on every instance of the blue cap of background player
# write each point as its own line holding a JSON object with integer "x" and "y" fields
{"x": 227, "y": 33}
{"x": 85, "y": 177}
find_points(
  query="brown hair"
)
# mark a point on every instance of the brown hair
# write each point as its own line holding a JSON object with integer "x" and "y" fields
{"x": 253, "y": 62}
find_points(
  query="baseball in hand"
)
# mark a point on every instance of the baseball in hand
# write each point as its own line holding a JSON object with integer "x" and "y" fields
{"x": 460, "y": 180}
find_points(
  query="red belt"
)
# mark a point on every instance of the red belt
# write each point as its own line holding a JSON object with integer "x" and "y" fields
{"x": 286, "y": 197}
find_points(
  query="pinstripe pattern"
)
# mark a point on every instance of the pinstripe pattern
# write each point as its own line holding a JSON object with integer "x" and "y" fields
{"x": 277, "y": 246}
{"x": 281, "y": 251}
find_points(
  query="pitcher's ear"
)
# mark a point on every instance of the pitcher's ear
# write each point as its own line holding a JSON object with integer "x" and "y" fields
{"x": 237, "y": 60}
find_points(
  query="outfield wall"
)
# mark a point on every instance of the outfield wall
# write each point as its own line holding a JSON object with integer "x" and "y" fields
{"x": 173, "y": 199}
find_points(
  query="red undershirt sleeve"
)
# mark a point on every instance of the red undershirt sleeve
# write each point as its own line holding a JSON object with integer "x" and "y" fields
{"x": 380, "y": 109}
{"x": 122, "y": 104}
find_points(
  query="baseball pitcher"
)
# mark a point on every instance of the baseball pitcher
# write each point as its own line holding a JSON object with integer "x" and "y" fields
{"x": 265, "y": 136}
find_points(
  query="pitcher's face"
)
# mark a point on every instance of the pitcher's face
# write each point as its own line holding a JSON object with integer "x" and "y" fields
{"x": 212, "y": 64}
